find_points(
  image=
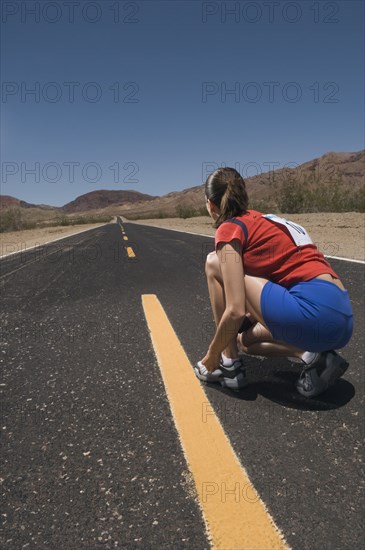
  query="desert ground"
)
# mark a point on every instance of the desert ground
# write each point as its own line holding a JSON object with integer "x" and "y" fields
{"x": 335, "y": 234}
{"x": 17, "y": 241}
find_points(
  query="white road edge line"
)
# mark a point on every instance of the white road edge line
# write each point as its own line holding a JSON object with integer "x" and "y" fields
{"x": 345, "y": 259}
{"x": 49, "y": 242}
{"x": 212, "y": 237}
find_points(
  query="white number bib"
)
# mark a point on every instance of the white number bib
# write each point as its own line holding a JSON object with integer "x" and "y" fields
{"x": 297, "y": 232}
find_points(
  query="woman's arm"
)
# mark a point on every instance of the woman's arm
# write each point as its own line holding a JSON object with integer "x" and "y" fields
{"x": 230, "y": 261}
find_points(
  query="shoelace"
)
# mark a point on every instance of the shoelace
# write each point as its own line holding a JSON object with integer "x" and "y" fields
{"x": 307, "y": 380}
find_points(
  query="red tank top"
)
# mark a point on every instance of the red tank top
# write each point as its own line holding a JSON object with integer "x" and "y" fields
{"x": 274, "y": 248}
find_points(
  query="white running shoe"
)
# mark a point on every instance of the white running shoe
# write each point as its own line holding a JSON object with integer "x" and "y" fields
{"x": 233, "y": 377}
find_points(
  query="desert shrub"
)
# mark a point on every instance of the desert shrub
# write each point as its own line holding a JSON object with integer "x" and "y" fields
{"x": 29, "y": 225}
{"x": 263, "y": 205}
{"x": 148, "y": 216}
{"x": 180, "y": 212}
{"x": 359, "y": 200}
{"x": 330, "y": 197}
{"x": 294, "y": 196}
{"x": 185, "y": 212}
{"x": 11, "y": 220}
{"x": 82, "y": 220}
{"x": 202, "y": 211}
{"x": 160, "y": 215}
{"x": 60, "y": 220}
{"x": 189, "y": 212}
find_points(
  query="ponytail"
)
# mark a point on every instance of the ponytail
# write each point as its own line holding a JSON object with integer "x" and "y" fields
{"x": 226, "y": 188}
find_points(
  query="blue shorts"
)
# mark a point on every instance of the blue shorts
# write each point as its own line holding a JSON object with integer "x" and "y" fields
{"x": 314, "y": 315}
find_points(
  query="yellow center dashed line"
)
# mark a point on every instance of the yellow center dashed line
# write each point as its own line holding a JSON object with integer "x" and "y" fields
{"x": 235, "y": 516}
{"x": 129, "y": 249}
{"x": 130, "y": 252}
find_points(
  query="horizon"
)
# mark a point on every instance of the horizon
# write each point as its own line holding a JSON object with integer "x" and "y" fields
{"x": 176, "y": 190}
{"x": 147, "y": 96}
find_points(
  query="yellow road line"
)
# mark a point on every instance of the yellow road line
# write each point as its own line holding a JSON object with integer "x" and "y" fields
{"x": 235, "y": 516}
{"x": 130, "y": 252}
{"x": 125, "y": 238}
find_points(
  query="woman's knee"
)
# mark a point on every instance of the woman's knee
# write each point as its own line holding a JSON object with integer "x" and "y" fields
{"x": 212, "y": 268}
{"x": 257, "y": 333}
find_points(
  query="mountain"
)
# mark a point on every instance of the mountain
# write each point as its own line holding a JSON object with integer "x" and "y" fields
{"x": 6, "y": 201}
{"x": 104, "y": 198}
{"x": 329, "y": 168}
{"x": 95, "y": 200}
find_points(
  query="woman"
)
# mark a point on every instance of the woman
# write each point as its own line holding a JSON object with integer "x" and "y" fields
{"x": 267, "y": 272}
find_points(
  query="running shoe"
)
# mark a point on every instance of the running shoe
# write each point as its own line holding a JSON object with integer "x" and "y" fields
{"x": 233, "y": 377}
{"x": 321, "y": 373}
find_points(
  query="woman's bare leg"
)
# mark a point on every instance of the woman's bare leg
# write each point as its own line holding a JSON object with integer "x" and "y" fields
{"x": 217, "y": 298}
{"x": 257, "y": 340}
{"x": 215, "y": 286}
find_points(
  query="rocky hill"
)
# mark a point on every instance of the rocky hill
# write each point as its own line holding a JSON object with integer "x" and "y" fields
{"x": 331, "y": 167}
{"x": 348, "y": 168}
{"x": 104, "y": 198}
{"x": 6, "y": 202}
{"x": 95, "y": 200}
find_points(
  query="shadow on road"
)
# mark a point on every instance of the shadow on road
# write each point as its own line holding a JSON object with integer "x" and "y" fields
{"x": 277, "y": 383}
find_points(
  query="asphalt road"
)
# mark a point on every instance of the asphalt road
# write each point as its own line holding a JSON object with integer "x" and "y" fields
{"x": 90, "y": 454}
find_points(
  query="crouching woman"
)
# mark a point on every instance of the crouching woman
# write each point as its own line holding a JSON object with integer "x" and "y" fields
{"x": 272, "y": 293}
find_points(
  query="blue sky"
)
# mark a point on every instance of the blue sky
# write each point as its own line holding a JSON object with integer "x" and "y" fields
{"x": 152, "y": 95}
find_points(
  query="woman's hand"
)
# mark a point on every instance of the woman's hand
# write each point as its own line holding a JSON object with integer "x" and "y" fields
{"x": 211, "y": 361}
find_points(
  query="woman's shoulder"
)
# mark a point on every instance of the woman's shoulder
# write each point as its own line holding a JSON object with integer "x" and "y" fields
{"x": 250, "y": 215}
{"x": 238, "y": 226}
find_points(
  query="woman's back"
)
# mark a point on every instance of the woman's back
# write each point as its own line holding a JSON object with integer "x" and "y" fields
{"x": 274, "y": 248}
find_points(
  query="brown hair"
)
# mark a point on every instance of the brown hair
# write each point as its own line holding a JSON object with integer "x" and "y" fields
{"x": 226, "y": 188}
